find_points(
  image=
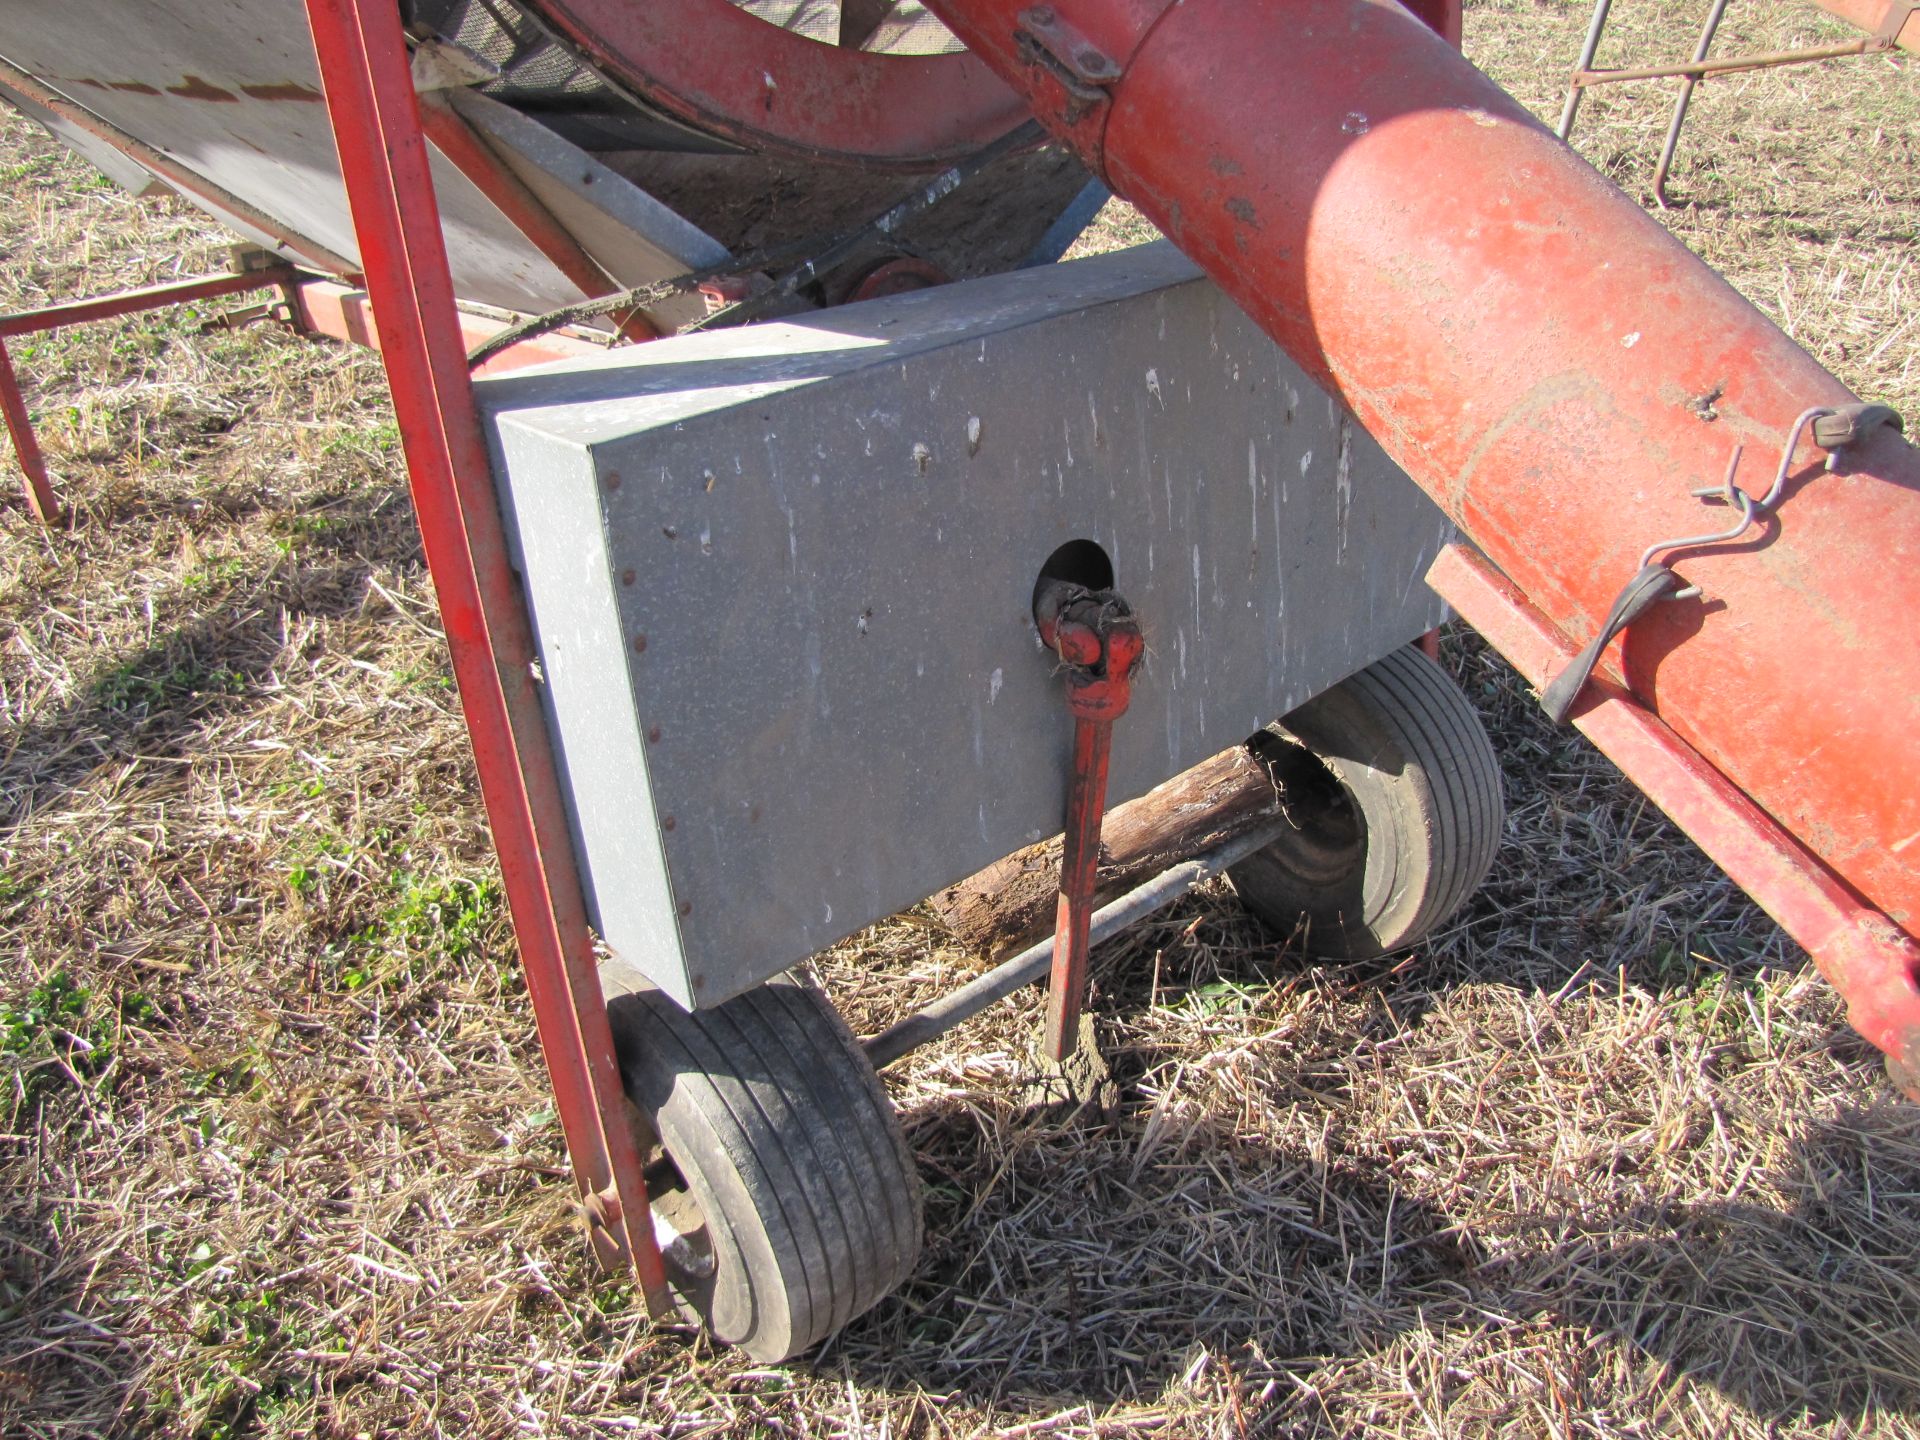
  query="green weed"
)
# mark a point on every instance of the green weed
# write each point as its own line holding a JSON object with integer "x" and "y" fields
{"x": 51, "y": 1032}
{"x": 434, "y": 922}
{"x": 140, "y": 685}
{"x": 216, "y": 573}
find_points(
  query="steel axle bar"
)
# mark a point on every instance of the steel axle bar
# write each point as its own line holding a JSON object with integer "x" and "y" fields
{"x": 1036, "y": 960}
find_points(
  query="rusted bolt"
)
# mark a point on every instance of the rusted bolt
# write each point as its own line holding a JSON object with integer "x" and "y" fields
{"x": 626, "y": 577}
{"x": 603, "y": 1208}
{"x": 686, "y": 907}
{"x": 612, "y": 482}
{"x": 667, "y": 822}
{"x": 653, "y": 735}
{"x": 639, "y": 644}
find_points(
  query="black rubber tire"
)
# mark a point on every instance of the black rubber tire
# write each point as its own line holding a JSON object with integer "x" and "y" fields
{"x": 792, "y": 1191}
{"x": 1398, "y": 806}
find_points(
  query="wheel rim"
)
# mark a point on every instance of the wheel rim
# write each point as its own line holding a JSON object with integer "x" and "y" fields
{"x": 764, "y": 75}
{"x": 689, "y": 1249}
{"x": 1326, "y": 841}
{"x": 680, "y": 1229}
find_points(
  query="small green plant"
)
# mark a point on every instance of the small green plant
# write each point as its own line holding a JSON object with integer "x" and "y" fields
{"x": 1218, "y": 997}
{"x": 240, "y": 1388}
{"x": 434, "y": 922}
{"x": 425, "y": 675}
{"x": 291, "y": 530}
{"x": 52, "y": 1031}
{"x": 14, "y": 895}
{"x": 376, "y": 440}
{"x": 137, "y": 685}
{"x": 215, "y": 573}
{"x": 1719, "y": 1003}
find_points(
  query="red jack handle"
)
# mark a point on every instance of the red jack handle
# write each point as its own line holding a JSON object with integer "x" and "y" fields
{"x": 1099, "y": 643}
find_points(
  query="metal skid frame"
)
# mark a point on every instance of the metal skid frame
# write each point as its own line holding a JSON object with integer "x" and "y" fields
{"x": 36, "y": 482}
{"x": 1888, "y": 27}
{"x": 309, "y": 303}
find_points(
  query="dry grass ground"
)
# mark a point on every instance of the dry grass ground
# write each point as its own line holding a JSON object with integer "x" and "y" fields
{"x": 276, "y": 1154}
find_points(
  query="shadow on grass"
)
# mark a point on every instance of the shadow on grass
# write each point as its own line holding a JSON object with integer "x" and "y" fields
{"x": 212, "y": 649}
{"x": 1096, "y": 1265}
{"x": 1122, "y": 1258}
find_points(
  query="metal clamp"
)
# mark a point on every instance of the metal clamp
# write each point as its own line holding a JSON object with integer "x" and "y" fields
{"x": 1835, "y": 427}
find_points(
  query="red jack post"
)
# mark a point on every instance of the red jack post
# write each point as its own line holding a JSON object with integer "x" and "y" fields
{"x": 1098, "y": 640}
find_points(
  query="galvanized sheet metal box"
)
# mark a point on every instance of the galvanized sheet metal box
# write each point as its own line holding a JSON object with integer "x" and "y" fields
{"x": 781, "y": 578}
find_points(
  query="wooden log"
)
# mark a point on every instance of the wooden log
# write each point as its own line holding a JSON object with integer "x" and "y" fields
{"x": 1010, "y": 904}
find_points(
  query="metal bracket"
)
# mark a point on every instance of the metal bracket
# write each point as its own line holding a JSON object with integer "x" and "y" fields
{"x": 1894, "y": 21}
{"x": 1076, "y": 64}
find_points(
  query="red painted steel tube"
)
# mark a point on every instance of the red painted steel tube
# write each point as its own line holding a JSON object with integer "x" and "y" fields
{"x": 383, "y": 156}
{"x": 37, "y": 486}
{"x": 1539, "y": 354}
{"x": 150, "y": 297}
{"x": 341, "y": 311}
{"x": 1872, "y": 963}
{"x": 222, "y": 202}
{"x": 1079, "y": 874}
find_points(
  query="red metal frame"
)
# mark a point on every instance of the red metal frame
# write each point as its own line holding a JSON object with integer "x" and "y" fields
{"x": 454, "y": 138}
{"x": 1878, "y": 17}
{"x": 326, "y": 307}
{"x": 376, "y": 125}
{"x": 321, "y": 307}
{"x": 41, "y": 497}
{"x": 150, "y": 297}
{"x": 1865, "y": 956}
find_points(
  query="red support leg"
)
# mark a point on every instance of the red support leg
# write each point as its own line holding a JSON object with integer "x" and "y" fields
{"x": 376, "y": 125}
{"x": 26, "y": 449}
{"x": 1079, "y": 873}
{"x": 1099, "y": 644}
